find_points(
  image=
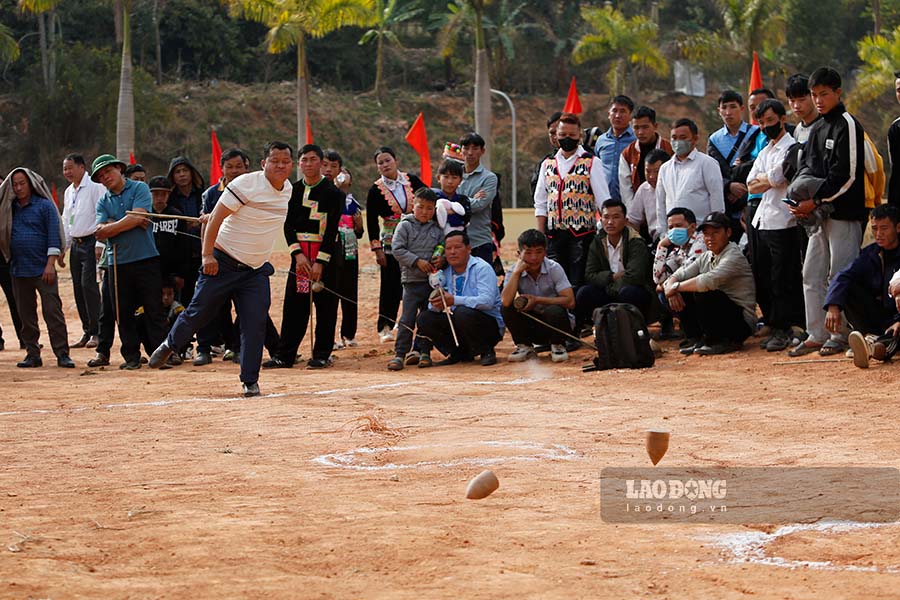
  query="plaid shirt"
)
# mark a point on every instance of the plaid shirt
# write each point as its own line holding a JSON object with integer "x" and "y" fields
{"x": 35, "y": 236}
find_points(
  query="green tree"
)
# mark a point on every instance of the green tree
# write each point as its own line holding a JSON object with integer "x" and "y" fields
{"x": 504, "y": 27}
{"x": 387, "y": 17}
{"x": 627, "y": 41}
{"x": 880, "y": 56}
{"x": 48, "y": 26}
{"x": 9, "y": 48}
{"x": 291, "y": 22}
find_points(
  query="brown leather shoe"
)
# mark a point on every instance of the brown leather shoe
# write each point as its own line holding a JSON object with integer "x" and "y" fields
{"x": 82, "y": 342}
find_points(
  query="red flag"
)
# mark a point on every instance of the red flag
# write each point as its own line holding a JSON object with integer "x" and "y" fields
{"x": 131, "y": 160}
{"x": 309, "y": 136}
{"x": 418, "y": 139}
{"x": 573, "y": 104}
{"x": 755, "y": 81}
{"x": 215, "y": 166}
{"x": 53, "y": 193}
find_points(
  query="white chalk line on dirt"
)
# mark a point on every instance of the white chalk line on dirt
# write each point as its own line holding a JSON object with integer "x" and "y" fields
{"x": 163, "y": 403}
{"x": 750, "y": 546}
{"x": 348, "y": 459}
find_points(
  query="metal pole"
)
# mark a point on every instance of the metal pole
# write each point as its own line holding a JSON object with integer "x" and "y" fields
{"x": 512, "y": 111}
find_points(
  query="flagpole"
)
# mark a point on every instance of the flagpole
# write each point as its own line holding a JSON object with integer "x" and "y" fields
{"x": 512, "y": 111}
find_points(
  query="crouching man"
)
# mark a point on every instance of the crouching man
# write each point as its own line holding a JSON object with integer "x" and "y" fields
{"x": 542, "y": 285}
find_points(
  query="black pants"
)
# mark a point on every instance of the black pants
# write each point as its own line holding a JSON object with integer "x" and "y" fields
{"x": 529, "y": 331}
{"x": 590, "y": 297}
{"x": 761, "y": 275}
{"x": 570, "y": 251}
{"x": 6, "y": 284}
{"x": 391, "y": 293}
{"x": 83, "y": 265}
{"x": 107, "y": 320}
{"x": 778, "y": 271}
{"x": 347, "y": 281}
{"x": 485, "y": 252}
{"x": 477, "y": 331}
{"x": 295, "y": 319}
{"x": 866, "y": 313}
{"x": 714, "y": 317}
{"x": 140, "y": 284}
{"x": 26, "y": 290}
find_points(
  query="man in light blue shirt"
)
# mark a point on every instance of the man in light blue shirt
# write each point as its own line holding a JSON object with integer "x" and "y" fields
{"x": 470, "y": 299}
{"x": 480, "y": 186}
{"x": 611, "y": 144}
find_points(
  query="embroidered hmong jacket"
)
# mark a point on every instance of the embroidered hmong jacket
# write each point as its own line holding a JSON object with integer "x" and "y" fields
{"x": 313, "y": 216}
{"x": 570, "y": 199}
{"x": 381, "y": 202}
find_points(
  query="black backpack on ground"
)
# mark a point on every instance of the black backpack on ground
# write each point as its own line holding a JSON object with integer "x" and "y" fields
{"x": 622, "y": 339}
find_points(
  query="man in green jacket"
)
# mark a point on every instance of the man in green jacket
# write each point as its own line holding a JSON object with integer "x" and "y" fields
{"x": 619, "y": 267}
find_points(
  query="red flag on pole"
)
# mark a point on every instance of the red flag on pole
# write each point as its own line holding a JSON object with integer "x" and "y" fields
{"x": 309, "y": 135}
{"x": 53, "y": 193}
{"x": 418, "y": 139}
{"x": 573, "y": 104}
{"x": 215, "y": 166}
{"x": 131, "y": 160}
{"x": 755, "y": 81}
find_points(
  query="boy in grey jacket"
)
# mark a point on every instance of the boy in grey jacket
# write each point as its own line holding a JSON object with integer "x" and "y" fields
{"x": 417, "y": 246}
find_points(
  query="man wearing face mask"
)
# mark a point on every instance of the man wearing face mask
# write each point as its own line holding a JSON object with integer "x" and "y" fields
{"x": 681, "y": 246}
{"x": 570, "y": 190}
{"x": 693, "y": 180}
{"x": 552, "y": 121}
{"x": 776, "y": 257}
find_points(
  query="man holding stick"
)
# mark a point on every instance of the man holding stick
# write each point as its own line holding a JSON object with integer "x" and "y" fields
{"x": 132, "y": 258}
{"x": 237, "y": 242}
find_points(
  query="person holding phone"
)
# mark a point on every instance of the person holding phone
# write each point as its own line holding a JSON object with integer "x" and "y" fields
{"x": 776, "y": 261}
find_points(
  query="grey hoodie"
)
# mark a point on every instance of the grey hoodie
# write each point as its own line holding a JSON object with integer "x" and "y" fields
{"x": 414, "y": 240}
{"x": 7, "y": 197}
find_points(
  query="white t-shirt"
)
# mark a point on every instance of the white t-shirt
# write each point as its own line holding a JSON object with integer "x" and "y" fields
{"x": 250, "y": 233}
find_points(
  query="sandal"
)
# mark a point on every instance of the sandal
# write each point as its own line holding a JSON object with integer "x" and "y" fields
{"x": 832, "y": 347}
{"x": 425, "y": 361}
{"x": 804, "y": 348}
{"x": 395, "y": 364}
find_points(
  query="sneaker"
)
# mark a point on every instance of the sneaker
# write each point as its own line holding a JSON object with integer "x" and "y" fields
{"x": 488, "y": 359}
{"x": 395, "y": 364}
{"x": 717, "y": 348}
{"x": 250, "y": 389}
{"x": 522, "y": 353}
{"x": 188, "y": 354}
{"x": 779, "y": 341}
{"x": 159, "y": 356}
{"x": 276, "y": 363}
{"x": 538, "y": 348}
{"x": 229, "y": 355}
{"x": 101, "y": 360}
{"x": 93, "y": 342}
{"x": 64, "y": 361}
{"x": 351, "y": 343}
{"x": 134, "y": 365}
{"x": 385, "y": 335}
{"x": 338, "y": 345}
{"x": 861, "y": 348}
{"x": 690, "y": 349}
{"x": 558, "y": 353}
{"x": 202, "y": 358}
{"x": 216, "y": 350}
{"x": 412, "y": 359}
{"x": 82, "y": 342}
{"x": 316, "y": 363}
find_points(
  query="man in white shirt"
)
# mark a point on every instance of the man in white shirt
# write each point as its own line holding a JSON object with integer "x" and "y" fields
{"x": 570, "y": 190}
{"x": 238, "y": 241}
{"x": 79, "y": 222}
{"x": 693, "y": 180}
{"x": 776, "y": 259}
{"x": 642, "y": 211}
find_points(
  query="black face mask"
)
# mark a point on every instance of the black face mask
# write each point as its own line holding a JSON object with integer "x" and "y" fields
{"x": 568, "y": 144}
{"x": 772, "y": 131}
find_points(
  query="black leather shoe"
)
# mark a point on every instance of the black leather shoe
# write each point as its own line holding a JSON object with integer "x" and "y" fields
{"x": 159, "y": 356}
{"x": 131, "y": 365}
{"x": 488, "y": 359}
{"x": 101, "y": 360}
{"x": 30, "y": 362}
{"x": 202, "y": 358}
{"x": 64, "y": 361}
{"x": 316, "y": 363}
{"x": 450, "y": 360}
{"x": 276, "y": 363}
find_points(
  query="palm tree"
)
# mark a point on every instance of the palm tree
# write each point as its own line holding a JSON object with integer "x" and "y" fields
{"x": 880, "y": 57}
{"x": 625, "y": 40}
{"x": 387, "y": 17}
{"x": 504, "y": 28}
{"x": 48, "y": 24}
{"x": 291, "y": 22}
{"x": 9, "y": 48}
{"x": 125, "y": 107}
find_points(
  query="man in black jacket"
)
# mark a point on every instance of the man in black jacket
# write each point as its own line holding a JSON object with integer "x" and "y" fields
{"x": 835, "y": 153}
{"x": 894, "y": 151}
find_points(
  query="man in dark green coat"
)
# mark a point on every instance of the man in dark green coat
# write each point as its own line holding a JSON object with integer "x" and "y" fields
{"x": 619, "y": 267}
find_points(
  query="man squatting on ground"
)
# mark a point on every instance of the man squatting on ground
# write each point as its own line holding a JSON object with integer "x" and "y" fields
{"x": 238, "y": 241}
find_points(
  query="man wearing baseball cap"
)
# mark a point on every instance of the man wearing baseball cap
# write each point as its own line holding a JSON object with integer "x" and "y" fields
{"x": 714, "y": 296}
{"x": 131, "y": 257}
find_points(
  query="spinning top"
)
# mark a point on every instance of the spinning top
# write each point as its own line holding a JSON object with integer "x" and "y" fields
{"x": 482, "y": 486}
{"x": 520, "y": 302}
{"x": 317, "y": 286}
{"x": 657, "y": 444}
